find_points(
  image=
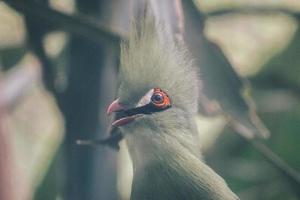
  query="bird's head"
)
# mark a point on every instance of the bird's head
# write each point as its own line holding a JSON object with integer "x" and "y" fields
{"x": 158, "y": 85}
{"x": 155, "y": 100}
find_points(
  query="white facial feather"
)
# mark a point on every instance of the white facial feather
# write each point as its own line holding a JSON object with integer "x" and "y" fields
{"x": 146, "y": 98}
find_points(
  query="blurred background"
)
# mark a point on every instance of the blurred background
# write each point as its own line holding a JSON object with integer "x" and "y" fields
{"x": 59, "y": 62}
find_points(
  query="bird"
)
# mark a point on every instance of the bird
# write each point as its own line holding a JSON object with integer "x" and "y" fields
{"x": 155, "y": 111}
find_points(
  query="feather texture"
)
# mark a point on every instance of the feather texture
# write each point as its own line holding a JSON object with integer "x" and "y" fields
{"x": 163, "y": 146}
{"x": 147, "y": 61}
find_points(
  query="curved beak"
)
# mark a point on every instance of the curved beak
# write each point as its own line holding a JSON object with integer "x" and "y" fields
{"x": 116, "y": 107}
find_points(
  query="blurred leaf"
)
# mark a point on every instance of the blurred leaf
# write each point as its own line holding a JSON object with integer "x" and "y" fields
{"x": 207, "y": 5}
{"x": 209, "y": 129}
{"x": 283, "y": 70}
{"x": 66, "y": 6}
{"x": 36, "y": 128}
{"x": 12, "y": 29}
{"x": 221, "y": 84}
{"x": 257, "y": 37}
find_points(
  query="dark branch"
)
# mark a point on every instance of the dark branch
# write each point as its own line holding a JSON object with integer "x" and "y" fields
{"x": 80, "y": 25}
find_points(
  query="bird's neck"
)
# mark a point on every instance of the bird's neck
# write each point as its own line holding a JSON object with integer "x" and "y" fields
{"x": 166, "y": 169}
{"x": 153, "y": 166}
{"x": 147, "y": 146}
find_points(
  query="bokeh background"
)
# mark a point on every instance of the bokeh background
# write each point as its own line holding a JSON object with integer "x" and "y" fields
{"x": 59, "y": 62}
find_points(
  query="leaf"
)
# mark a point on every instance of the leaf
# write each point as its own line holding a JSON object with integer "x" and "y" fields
{"x": 222, "y": 90}
{"x": 34, "y": 134}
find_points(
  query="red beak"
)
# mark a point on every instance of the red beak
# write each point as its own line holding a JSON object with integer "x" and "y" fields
{"x": 115, "y": 106}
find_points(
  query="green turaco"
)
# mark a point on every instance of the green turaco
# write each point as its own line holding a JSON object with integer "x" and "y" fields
{"x": 155, "y": 112}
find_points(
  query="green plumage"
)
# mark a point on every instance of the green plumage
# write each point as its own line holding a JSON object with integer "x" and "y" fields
{"x": 163, "y": 146}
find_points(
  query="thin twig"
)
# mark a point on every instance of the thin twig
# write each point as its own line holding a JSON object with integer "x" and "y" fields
{"x": 285, "y": 169}
{"x": 112, "y": 141}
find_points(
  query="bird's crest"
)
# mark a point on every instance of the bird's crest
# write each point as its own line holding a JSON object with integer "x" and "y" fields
{"x": 148, "y": 61}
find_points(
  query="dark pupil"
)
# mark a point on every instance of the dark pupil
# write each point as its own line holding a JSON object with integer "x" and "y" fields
{"x": 157, "y": 97}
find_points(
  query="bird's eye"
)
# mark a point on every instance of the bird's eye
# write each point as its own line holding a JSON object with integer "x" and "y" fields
{"x": 160, "y": 99}
{"x": 157, "y": 98}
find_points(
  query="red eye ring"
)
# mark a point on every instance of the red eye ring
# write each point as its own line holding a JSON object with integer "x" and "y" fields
{"x": 160, "y": 99}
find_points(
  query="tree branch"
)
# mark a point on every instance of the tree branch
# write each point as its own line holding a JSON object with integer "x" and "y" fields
{"x": 80, "y": 25}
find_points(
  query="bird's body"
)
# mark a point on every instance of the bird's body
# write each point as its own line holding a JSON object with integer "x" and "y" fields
{"x": 156, "y": 111}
